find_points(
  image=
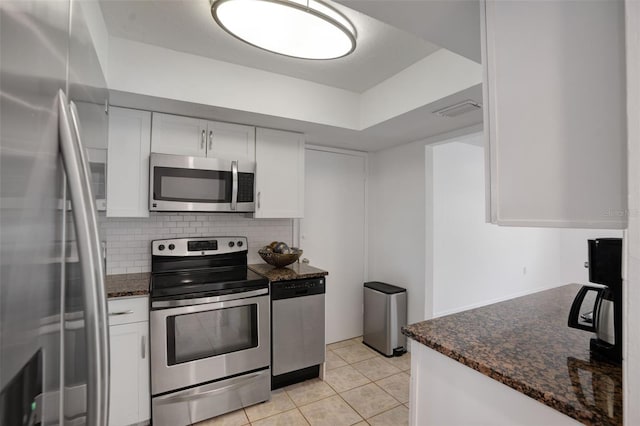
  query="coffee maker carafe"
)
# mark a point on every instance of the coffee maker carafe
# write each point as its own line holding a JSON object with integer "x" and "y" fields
{"x": 605, "y": 318}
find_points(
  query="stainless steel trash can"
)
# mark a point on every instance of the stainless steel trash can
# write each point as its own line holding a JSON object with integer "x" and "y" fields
{"x": 385, "y": 311}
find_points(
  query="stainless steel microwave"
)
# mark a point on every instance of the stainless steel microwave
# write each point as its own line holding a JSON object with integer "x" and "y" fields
{"x": 179, "y": 183}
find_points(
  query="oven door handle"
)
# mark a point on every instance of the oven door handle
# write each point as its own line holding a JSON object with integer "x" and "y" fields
{"x": 205, "y": 300}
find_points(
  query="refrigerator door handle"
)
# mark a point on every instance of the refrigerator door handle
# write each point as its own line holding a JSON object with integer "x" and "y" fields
{"x": 89, "y": 251}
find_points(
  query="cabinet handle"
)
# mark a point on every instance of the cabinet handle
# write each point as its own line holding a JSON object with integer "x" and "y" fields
{"x": 144, "y": 347}
{"x": 258, "y": 199}
{"x": 210, "y": 140}
{"x": 113, "y": 314}
{"x": 202, "y": 140}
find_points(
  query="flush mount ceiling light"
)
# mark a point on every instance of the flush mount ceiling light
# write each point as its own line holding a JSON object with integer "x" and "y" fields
{"x": 307, "y": 29}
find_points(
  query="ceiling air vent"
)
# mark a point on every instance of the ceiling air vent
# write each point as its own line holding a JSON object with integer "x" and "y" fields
{"x": 459, "y": 109}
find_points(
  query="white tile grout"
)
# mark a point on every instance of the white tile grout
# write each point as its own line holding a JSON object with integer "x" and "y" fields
{"x": 129, "y": 239}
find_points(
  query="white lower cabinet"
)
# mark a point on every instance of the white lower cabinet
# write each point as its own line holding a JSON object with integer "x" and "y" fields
{"x": 446, "y": 392}
{"x": 130, "y": 394}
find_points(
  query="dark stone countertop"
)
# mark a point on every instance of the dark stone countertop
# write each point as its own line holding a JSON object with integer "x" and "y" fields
{"x": 127, "y": 285}
{"x": 526, "y": 344}
{"x": 295, "y": 271}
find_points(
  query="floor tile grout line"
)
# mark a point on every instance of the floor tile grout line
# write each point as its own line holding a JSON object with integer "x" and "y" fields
{"x": 321, "y": 399}
{"x": 339, "y": 394}
{"x": 385, "y": 411}
{"x": 380, "y": 387}
{"x": 277, "y": 414}
{"x": 343, "y": 400}
{"x": 271, "y": 415}
{"x": 303, "y": 416}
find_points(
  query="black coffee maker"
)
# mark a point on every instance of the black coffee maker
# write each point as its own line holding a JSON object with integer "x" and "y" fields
{"x": 605, "y": 318}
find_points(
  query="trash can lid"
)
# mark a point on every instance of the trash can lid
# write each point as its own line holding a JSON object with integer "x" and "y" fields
{"x": 384, "y": 287}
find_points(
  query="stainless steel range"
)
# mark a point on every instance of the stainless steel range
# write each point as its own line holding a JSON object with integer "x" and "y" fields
{"x": 210, "y": 332}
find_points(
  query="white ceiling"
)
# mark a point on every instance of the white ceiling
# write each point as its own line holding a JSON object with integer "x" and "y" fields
{"x": 186, "y": 25}
{"x": 451, "y": 24}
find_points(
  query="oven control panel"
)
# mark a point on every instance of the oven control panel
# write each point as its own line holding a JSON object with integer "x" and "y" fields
{"x": 202, "y": 245}
{"x": 198, "y": 246}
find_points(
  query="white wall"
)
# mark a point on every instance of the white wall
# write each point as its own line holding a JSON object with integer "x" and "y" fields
{"x": 155, "y": 71}
{"x": 476, "y": 263}
{"x": 97, "y": 30}
{"x": 397, "y": 222}
{"x": 401, "y": 236}
{"x": 399, "y": 207}
{"x": 437, "y": 76}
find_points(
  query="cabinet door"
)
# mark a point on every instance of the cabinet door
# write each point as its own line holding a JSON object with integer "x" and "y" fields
{"x": 94, "y": 134}
{"x": 130, "y": 398}
{"x": 555, "y": 113}
{"x": 174, "y": 134}
{"x": 128, "y": 163}
{"x": 231, "y": 141}
{"x": 279, "y": 174}
{"x": 93, "y": 125}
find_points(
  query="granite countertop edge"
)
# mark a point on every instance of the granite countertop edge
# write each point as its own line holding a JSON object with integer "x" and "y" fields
{"x": 551, "y": 397}
{"x": 545, "y": 398}
{"x": 127, "y": 285}
{"x": 295, "y": 271}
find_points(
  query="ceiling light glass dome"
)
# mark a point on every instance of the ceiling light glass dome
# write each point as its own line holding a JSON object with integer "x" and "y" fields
{"x": 307, "y": 29}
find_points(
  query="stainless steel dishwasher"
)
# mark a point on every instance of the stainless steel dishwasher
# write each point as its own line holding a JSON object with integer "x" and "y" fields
{"x": 297, "y": 329}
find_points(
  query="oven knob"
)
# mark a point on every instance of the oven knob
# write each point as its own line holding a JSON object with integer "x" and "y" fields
{"x": 171, "y": 246}
{"x": 240, "y": 243}
{"x": 161, "y": 247}
{"x": 231, "y": 244}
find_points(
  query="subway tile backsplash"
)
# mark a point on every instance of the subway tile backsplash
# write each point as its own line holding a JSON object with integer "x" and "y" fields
{"x": 128, "y": 240}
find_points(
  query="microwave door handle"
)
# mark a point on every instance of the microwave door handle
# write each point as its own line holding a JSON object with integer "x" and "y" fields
{"x": 234, "y": 185}
{"x": 89, "y": 251}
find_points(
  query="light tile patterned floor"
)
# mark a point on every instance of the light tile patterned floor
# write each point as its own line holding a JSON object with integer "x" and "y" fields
{"x": 361, "y": 387}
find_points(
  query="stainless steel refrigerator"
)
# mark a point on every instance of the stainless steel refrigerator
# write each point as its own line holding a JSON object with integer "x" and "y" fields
{"x": 54, "y": 348}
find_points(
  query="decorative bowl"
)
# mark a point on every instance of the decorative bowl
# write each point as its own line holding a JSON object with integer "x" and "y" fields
{"x": 280, "y": 260}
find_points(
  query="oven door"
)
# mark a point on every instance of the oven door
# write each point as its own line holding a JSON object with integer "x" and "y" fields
{"x": 200, "y": 343}
{"x": 180, "y": 183}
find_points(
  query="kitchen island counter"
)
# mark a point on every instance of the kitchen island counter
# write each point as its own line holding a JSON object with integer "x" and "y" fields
{"x": 295, "y": 271}
{"x": 525, "y": 344}
{"x": 127, "y": 285}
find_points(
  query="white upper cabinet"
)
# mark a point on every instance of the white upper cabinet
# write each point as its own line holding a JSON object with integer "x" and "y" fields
{"x": 128, "y": 163}
{"x": 554, "y": 100}
{"x": 94, "y": 122}
{"x": 231, "y": 141}
{"x": 174, "y": 134}
{"x": 93, "y": 125}
{"x": 279, "y": 174}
